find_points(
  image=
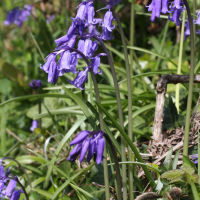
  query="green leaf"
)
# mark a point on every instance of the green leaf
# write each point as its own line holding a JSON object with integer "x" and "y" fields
{"x": 136, "y": 113}
{"x": 171, "y": 118}
{"x": 173, "y": 174}
{"x": 28, "y": 97}
{"x": 43, "y": 192}
{"x": 26, "y": 160}
{"x": 188, "y": 162}
{"x": 62, "y": 143}
{"x": 10, "y": 71}
{"x": 130, "y": 143}
{"x": 152, "y": 53}
{"x": 66, "y": 183}
{"x": 168, "y": 161}
{"x": 175, "y": 161}
{"x": 83, "y": 107}
{"x": 5, "y": 87}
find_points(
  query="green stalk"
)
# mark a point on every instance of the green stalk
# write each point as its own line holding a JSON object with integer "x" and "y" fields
{"x": 3, "y": 128}
{"x": 90, "y": 97}
{"x": 114, "y": 153}
{"x": 39, "y": 109}
{"x": 130, "y": 156}
{"x": 180, "y": 60}
{"x": 198, "y": 157}
{"x": 194, "y": 190}
{"x": 132, "y": 32}
{"x": 121, "y": 120}
{"x": 105, "y": 164}
{"x": 190, "y": 92}
{"x": 130, "y": 123}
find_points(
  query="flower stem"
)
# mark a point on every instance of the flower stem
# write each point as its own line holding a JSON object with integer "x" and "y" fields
{"x": 130, "y": 124}
{"x": 119, "y": 183}
{"x": 130, "y": 156}
{"x": 192, "y": 65}
{"x": 121, "y": 120}
{"x": 180, "y": 61}
{"x": 105, "y": 165}
{"x": 3, "y": 128}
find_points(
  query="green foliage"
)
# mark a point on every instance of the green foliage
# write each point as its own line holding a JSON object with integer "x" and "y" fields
{"x": 64, "y": 111}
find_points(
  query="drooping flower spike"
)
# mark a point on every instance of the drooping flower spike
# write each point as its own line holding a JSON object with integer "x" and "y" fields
{"x": 83, "y": 28}
{"x": 7, "y": 188}
{"x": 174, "y": 8}
{"x": 18, "y": 16}
{"x": 87, "y": 141}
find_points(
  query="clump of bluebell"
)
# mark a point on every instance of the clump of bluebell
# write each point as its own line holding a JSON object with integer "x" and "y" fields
{"x": 8, "y": 184}
{"x": 174, "y": 10}
{"x": 18, "y": 16}
{"x": 87, "y": 141}
{"x": 83, "y": 28}
{"x": 164, "y": 6}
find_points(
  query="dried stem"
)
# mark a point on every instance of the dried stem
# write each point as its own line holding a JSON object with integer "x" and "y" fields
{"x": 160, "y": 99}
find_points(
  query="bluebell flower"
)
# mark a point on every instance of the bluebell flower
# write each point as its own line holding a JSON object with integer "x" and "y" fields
{"x": 72, "y": 31}
{"x": 81, "y": 14}
{"x": 161, "y": 6}
{"x": 34, "y": 125}
{"x": 106, "y": 35}
{"x": 67, "y": 63}
{"x": 53, "y": 73}
{"x": 75, "y": 153}
{"x": 87, "y": 141}
{"x": 35, "y": 84}
{"x": 177, "y": 4}
{"x": 79, "y": 81}
{"x": 16, "y": 195}
{"x": 1, "y": 185}
{"x": 2, "y": 172}
{"x": 194, "y": 158}
{"x": 176, "y": 14}
{"x": 10, "y": 17}
{"x": 50, "y": 58}
{"x": 93, "y": 30}
{"x": 187, "y": 30}
{"x": 107, "y": 23}
{"x": 90, "y": 13}
{"x": 25, "y": 13}
{"x": 197, "y": 21}
{"x": 81, "y": 137}
{"x": 18, "y": 16}
{"x": 96, "y": 62}
{"x": 69, "y": 43}
{"x": 7, "y": 189}
{"x": 81, "y": 44}
{"x": 10, "y": 187}
{"x": 165, "y": 6}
